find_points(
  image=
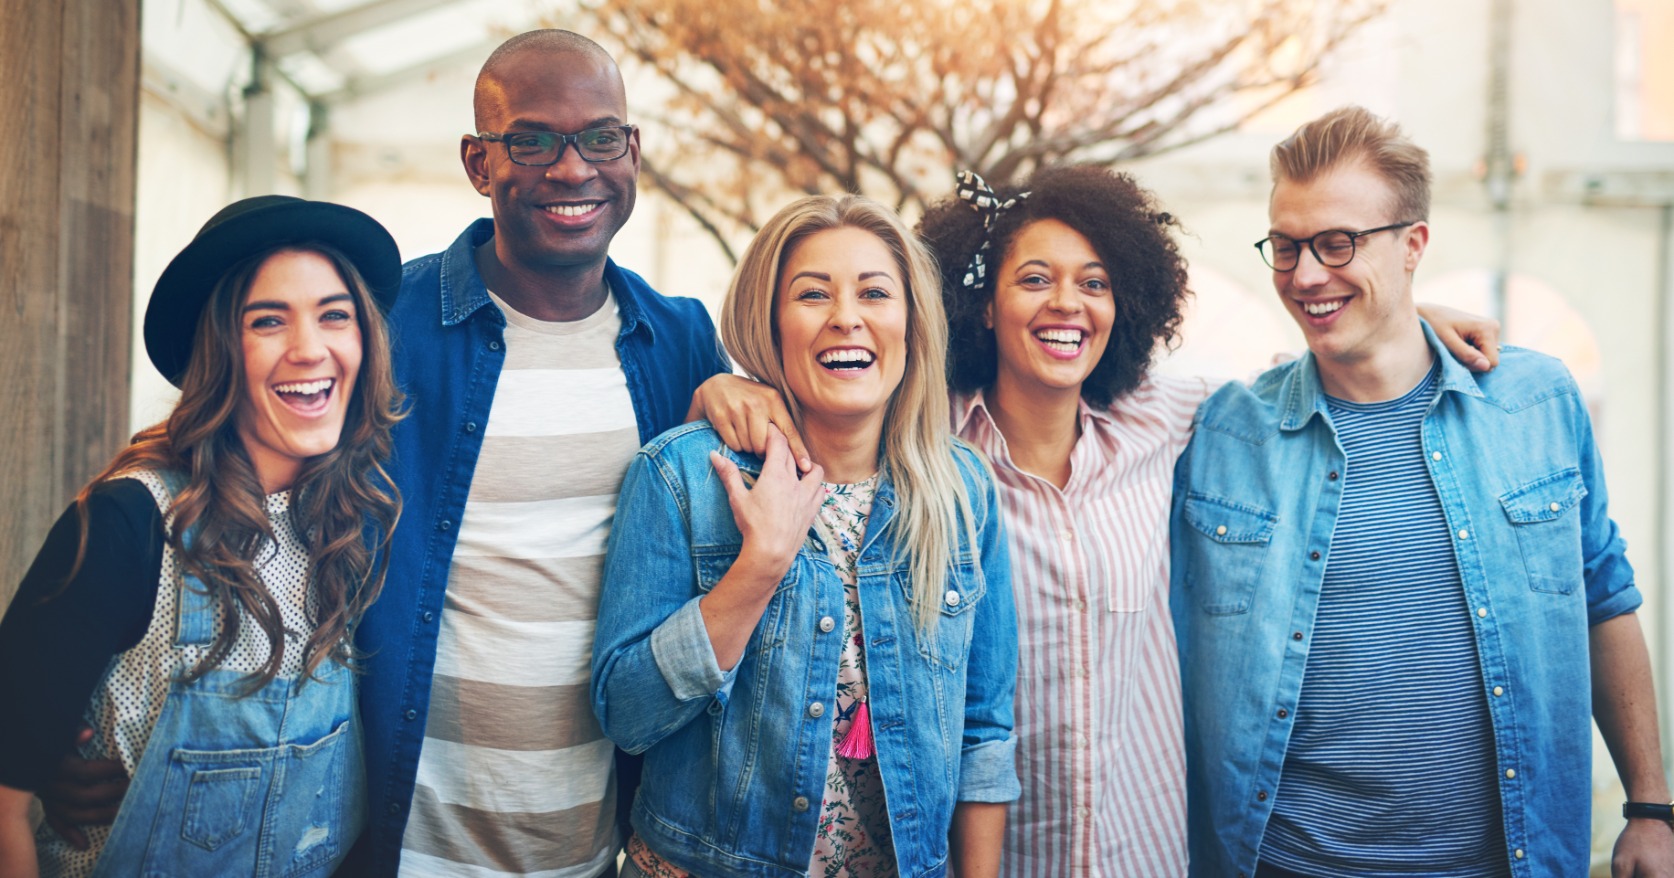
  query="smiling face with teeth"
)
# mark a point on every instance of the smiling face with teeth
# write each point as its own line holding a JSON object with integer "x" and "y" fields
{"x": 841, "y": 315}
{"x": 301, "y": 347}
{"x": 563, "y": 216}
{"x": 1353, "y": 315}
{"x": 1051, "y": 313}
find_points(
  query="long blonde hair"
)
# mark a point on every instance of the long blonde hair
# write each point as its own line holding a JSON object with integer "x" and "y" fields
{"x": 917, "y": 450}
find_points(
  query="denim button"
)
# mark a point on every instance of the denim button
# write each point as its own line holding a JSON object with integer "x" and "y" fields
{"x": 470, "y": 426}
{"x": 429, "y": 616}
{"x": 494, "y": 345}
{"x": 952, "y": 598}
{"x": 1261, "y": 796}
{"x": 1313, "y": 556}
{"x": 799, "y": 804}
{"x": 827, "y": 623}
{"x": 395, "y": 807}
{"x": 1435, "y": 455}
{"x": 1332, "y": 476}
{"x": 1296, "y": 635}
{"x": 816, "y": 710}
{"x": 444, "y": 524}
{"x": 411, "y": 715}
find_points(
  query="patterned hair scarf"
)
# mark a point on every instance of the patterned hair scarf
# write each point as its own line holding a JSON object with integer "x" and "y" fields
{"x": 974, "y": 190}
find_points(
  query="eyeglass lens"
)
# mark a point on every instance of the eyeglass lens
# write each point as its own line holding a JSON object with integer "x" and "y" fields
{"x": 544, "y": 147}
{"x": 1334, "y": 249}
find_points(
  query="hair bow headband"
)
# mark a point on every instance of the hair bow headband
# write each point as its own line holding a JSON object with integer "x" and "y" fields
{"x": 974, "y": 190}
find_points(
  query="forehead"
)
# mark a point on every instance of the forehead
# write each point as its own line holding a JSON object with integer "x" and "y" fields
{"x": 1350, "y": 196}
{"x": 1050, "y": 238}
{"x": 841, "y": 252}
{"x": 295, "y": 275}
{"x": 563, "y": 91}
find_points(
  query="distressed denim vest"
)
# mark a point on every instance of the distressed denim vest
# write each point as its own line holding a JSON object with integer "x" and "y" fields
{"x": 267, "y": 784}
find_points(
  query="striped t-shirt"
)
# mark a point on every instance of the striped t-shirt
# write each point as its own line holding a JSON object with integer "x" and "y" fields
{"x": 515, "y": 777}
{"x": 1390, "y": 769}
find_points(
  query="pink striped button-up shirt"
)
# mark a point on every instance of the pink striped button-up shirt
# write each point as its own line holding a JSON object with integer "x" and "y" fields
{"x": 1099, "y": 749}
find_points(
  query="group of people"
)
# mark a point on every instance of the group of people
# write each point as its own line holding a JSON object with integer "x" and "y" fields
{"x": 488, "y": 565}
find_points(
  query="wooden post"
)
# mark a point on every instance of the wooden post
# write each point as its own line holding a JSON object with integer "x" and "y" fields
{"x": 69, "y": 107}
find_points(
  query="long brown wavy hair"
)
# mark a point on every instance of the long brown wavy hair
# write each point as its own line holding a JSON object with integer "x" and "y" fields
{"x": 337, "y": 499}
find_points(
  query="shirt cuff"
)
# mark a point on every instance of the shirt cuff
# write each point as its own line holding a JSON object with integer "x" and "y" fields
{"x": 1625, "y": 601}
{"x": 988, "y": 772}
{"x": 684, "y": 654}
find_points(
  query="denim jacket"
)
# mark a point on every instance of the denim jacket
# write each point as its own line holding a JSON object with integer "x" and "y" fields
{"x": 448, "y": 345}
{"x": 735, "y": 761}
{"x": 1256, "y": 498}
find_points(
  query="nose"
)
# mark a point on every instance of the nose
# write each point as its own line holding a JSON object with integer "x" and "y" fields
{"x": 571, "y": 168}
{"x": 1066, "y": 296}
{"x": 1309, "y": 271}
{"x": 845, "y": 314}
{"x": 308, "y": 344}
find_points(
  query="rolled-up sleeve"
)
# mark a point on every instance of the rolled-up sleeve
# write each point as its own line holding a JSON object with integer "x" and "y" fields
{"x": 1608, "y": 575}
{"x": 987, "y": 758}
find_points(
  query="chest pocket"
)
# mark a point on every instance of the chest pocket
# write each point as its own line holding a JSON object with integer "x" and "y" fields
{"x": 713, "y": 562}
{"x": 950, "y": 644}
{"x": 1544, "y": 516}
{"x": 1227, "y": 546}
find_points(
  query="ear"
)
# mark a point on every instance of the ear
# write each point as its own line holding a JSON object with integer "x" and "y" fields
{"x": 633, "y": 149}
{"x": 473, "y": 154}
{"x": 1417, "y": 238}
{"x": 988, "y": 315}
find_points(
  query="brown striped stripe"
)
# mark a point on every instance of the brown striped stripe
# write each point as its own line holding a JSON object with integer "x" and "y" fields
{"x": 515, "y": 842}
{"x": 510, "y": 717}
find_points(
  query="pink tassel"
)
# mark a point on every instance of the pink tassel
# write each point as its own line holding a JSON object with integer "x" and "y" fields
{"x": 857, "y": 742}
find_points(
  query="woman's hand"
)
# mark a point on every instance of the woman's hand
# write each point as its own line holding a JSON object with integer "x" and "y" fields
{"x": 774, "y": 517}
{"x": 744, "y": 412}
{"x": 1474, "y": 341}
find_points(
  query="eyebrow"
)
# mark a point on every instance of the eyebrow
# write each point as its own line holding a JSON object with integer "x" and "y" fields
{"x": 534, "y": 125}
{"x": 276, "y": 305}
{"x": 820, "y": 275}
{"x": 1042, "y": 263}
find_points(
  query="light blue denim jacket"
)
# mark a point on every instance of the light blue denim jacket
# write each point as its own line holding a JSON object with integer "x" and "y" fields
{"x": 735, "y": 761}
{"x": 1256, "y": 497}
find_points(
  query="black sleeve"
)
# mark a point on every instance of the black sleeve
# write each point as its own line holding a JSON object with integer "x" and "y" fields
{"x": 53, "y": 652}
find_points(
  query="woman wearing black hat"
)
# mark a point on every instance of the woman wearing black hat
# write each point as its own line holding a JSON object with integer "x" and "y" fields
{"x": 195, "y": 604}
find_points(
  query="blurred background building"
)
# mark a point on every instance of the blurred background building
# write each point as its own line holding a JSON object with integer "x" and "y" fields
{"x": 1550, "y": 126}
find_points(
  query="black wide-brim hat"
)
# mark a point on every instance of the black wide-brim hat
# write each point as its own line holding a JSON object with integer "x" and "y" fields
{"x": 241, "y": 230}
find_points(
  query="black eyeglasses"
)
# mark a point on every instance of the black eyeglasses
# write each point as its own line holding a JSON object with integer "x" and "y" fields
{"x": 542, "y": 148}
{"x": 1334, "y": 248}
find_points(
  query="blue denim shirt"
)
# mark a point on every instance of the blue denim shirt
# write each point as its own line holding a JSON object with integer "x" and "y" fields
{"x": 1256, "y": 498}
{"x": 735, "y": 761}
{"x": 449, "y": 347}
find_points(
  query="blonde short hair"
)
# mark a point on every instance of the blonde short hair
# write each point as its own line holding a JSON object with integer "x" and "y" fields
{"x": 1349, "y": 134}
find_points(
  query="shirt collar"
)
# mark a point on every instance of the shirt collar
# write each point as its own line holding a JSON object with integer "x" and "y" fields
{"x": 1303, "y": 394}
{"x": 463, "y": 291}
{"x": 967, "y": 405}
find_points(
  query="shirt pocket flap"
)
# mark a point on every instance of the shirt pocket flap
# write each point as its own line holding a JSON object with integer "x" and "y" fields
{"x": 1544, "y": 499}
{"x": 713, "y": 562}
{"x": 1225, "y": 521}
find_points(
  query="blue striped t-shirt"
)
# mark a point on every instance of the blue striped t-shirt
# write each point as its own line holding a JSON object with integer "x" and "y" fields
{"x": 1390, "y": 769}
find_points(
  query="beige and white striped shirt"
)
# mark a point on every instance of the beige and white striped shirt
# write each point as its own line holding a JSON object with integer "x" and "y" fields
{"x": 515, "y": 777}
{"x": 1099, "y": 741}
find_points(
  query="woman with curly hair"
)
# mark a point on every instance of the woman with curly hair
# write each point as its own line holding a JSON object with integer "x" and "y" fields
{"x": 1059, "y": 293}
{"x": 195, "y": 605}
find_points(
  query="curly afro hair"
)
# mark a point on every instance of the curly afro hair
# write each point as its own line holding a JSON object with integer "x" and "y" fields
{"x": 1128, "y": 231}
